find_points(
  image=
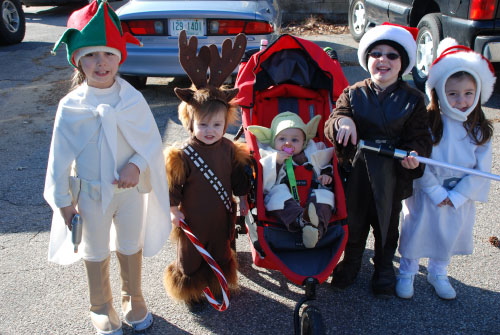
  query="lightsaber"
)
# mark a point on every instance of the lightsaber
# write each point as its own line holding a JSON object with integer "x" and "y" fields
{"x": 385, "y": 150}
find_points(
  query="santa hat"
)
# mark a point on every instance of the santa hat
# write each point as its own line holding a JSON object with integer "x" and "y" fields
{"x": 454, "y": 58}
{"x": 93, "y": 28}
{"x": 400, "y": 38}
{"x": 284, "y": 121}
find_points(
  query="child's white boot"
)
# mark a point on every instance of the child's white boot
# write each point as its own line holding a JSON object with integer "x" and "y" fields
{"x": 102, "y": 314}
{"x": 134, "y": 308}
{"x": 442, "y": 286}
{"x": 404, "y": 285}
{"x": 310, "y": 236}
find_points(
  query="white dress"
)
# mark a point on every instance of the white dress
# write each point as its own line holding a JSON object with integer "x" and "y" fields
{"x": 441, "y": 232}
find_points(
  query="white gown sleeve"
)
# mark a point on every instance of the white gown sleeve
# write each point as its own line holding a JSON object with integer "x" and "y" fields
{"x": 475, "y": 187}
{"x": 430, "y": 184}
{"x": 139, "y": 161}
{"x": 62, "y": 197}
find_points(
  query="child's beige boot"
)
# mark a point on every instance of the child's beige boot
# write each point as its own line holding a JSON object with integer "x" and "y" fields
{"x": 310, "y": 236}
{"x": 134, "y": 308}
{"x": 313, "y": 216}
{"x": 102, "y": 314}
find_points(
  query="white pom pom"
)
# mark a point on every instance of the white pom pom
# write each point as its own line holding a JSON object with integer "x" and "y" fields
{"x": 445, "y": 44}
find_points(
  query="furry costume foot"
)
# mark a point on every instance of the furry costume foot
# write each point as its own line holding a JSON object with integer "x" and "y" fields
{"x": 189, "y": 288}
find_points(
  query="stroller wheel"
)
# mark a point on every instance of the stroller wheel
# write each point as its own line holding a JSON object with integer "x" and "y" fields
{"x": 311, "y": 322}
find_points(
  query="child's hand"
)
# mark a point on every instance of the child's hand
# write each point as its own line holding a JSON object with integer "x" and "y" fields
{"x": 282, "y": 156}
{"x": 129, "y": 176}
{"x": 67, "y": 213}
{"x": 410, "y": 162}
{"x": 347, "y": 129}
{"x": 243, "y": 205}
{"x": 446, "y": 202}
{"x": 325, "y": 179}
{"x": 176, "y": 215}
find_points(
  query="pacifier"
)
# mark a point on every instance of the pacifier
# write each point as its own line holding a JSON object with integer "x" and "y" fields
{"x": 288, "y": 149}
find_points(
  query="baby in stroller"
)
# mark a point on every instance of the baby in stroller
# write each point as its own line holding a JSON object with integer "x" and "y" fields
{"x": 297, "y": 175}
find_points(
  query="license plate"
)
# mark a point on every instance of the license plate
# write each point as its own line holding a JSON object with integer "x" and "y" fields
{"x": 193, "y": 27}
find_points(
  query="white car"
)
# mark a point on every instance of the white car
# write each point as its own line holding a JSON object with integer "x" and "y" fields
{"x": 157, "y": 24}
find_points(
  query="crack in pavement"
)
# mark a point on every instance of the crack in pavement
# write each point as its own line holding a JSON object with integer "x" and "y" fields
{"x": 36, "y": 234}
{"x": 21, "y": 270}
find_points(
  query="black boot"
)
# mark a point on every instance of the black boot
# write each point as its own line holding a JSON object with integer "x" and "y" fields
{"x": 344, "y": 275}
{"x": 384, "y": 277}
{"x": 383, "y": 283}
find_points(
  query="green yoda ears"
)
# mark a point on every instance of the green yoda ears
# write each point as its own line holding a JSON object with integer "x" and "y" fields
{"x": 284, "y": 121}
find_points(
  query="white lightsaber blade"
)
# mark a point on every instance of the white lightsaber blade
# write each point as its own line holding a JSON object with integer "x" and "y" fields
{"x": 400, "y": 154}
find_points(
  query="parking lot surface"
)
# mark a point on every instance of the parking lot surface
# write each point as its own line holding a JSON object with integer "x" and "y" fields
{"x": 38, "y": 297}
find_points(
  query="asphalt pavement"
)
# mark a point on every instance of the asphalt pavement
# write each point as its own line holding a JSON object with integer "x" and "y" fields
{"x": 38, "y": 297}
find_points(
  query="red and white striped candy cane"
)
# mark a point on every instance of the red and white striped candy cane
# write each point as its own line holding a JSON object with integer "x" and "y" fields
{"x": 216, "y": 269}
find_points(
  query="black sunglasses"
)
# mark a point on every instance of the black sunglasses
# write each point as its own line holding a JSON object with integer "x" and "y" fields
{"x": 377, "y": 54}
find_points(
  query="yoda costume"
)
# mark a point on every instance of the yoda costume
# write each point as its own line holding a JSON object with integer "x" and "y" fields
{"x": 278, "y": 199}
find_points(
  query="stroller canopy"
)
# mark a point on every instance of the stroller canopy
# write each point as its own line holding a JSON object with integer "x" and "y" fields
{"x": 291, "y": 60}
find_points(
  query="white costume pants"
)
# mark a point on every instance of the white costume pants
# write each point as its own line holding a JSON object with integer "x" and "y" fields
{"x": 125, "y": 211}
{"x": 410, "y": 266}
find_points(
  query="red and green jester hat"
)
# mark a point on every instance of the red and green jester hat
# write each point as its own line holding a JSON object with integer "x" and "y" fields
{"x": 95, "y": 27}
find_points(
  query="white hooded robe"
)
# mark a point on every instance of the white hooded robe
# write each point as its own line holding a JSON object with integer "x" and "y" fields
{"x": 441, "y": 232}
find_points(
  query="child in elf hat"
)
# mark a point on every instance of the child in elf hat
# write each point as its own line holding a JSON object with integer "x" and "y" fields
{"x": 106, "y": 164}
{"x": 290, "y": 138}
{"x": 205, "y": 172}
{"x": 439, "y": 216}
{"x": 385, "y": 109}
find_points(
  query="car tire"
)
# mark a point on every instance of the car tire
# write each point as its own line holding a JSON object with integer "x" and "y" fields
{"x": 430, "y": 33}
{"x": 12, "y": 22}
{"x": 357, "y": 19}
{"x": 139, "y": 82}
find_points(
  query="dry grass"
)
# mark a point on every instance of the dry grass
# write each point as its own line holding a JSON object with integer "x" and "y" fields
{"x": 314, "y": 25}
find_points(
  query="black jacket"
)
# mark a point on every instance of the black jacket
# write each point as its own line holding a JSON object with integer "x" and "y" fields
{"x": 397, "y": 117}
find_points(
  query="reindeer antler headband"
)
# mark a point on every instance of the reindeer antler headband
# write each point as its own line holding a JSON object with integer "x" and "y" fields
{"x": 196, "y": 67}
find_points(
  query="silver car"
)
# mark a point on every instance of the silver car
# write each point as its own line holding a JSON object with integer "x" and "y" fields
{"x": 157, "y": 24}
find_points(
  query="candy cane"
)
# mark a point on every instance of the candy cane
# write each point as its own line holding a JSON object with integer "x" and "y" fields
{"x": 218, "y": 272}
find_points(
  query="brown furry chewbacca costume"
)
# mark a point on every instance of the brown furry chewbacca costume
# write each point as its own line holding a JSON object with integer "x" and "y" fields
{"x": 204, "y": 211}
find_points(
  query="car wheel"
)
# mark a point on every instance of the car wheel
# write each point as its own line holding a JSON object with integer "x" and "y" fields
{"x": 12, "y": 22}
{"x": 357, "y": 19}
{"x": 429, "y": 35}
{"x": 139, "y": 82}
{"x": 311, "y": 322}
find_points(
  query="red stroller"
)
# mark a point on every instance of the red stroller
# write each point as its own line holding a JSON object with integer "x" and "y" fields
{"x": 295, "y": 75}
